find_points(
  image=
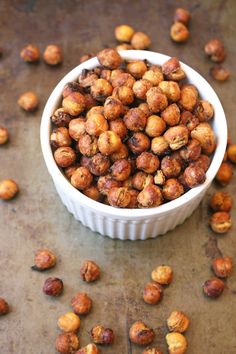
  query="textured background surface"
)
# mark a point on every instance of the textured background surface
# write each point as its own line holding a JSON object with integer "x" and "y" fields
{"x": 36, "y": 218}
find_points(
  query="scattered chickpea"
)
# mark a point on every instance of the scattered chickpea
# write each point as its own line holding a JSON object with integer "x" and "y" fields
{"x": 89, "y": 271}
{"x": 71, "y": 87}
{"x": 44, "y": 259}
{"x": 30, "y": 53}
{"x": 213, "y": 287}
{"x": 102, "y": 335}
{"x": 219, "y": 72}
{"x": 137, "y": 68}
{"x": 28, "y": 101}
{"x": 141, "y": 334}
{"x": 215, "y": 50}
{"x": 109, "y": 58}
{"x": 224, "y": 174}
{"x": 67, "y": 343}
{"x": 8, "y": 189}
{"x": 231, "y": 153}
{"x": 60, "y": 137}
{"x": 221, "y": 222}
{"x": 152, "y": 293}
{"x": 89, "y": 349}
{"x": 74, "y": 103}
{"x": 81, "y": 178}
{"x": 4, "y": 307}
{"x": 178, "y": 322}
{"x": 140, "y": 40}
{"x": 53, "y": 287}
{"x": 118, "y": 197}
{"x": 162, "y": 275}
{"x": 179, "y": 32}
{"x": 81, "y": 304}
{"x": 182, "y": 15}
{"x": 151, "y": 351}
{"x": 155, "y": 126}
{"x": 150, "y": 196}
{"x": 223, "y": 266}
{"x": 53, "y": 55}
{"x": 64, "y": 156}
{"x": 60, "y": 118}
{"x": 70, "y": 322}
{"x": 86, "y": 57}
{"x": 177, "y": 343}
{"x": 221, "y": 201}
{"x": 124, "y": 33}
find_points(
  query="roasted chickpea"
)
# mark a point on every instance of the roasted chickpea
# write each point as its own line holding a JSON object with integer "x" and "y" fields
{"x": 179, "y": 32}
{"x": 224, "y": 174}
{"x": 140, "y": 41}
{"x": 95, "y": 110}
{"x": 99, "y": 164}
{"x": 89, "y": 271}
{"x": 89, "y": 101}
{"x": 213, "y": 287}
{"x": 113, "y": 108}
{"x": 118, "y": 126}
{"x": 150, "y": 196}
{"x": 88, "y": 145}
{"x": 191, "y": 151}
{"x": 138, "y": 143}
{"x": 109, "y": 58}
{"x": 53, "y": 55}
{"x": 81, "y": 178}
{"x": 109, "y": 142}
{"x": 222, "y": 266}
{"x": 89, "y": 349}
{"x": 121, "y": 170}
{"x": 8, "y": 189}
{"x": 152, "y": 293}
{"x": 69, "y": 322}
{"x": 156, "y": 99}
{"x": 64, "y": 156}
{"x": 144, "y": 107}
{"x": 102, "y": 335}
{"x": 93, "y": 193}
{"x": 154, "y": 75}
{"x": 124, "y": 46}
{"x": 141, "y": 87}
{"x": 162, "y": 274}
{"x": 101, "y": 89}
{"x": 172, "y": 70}
{"x": 182, "y": 15}
{"x": 122, "y": 153}
{"x": 219, "y": 72}
{"x": 4, "y": 307}
{"x": 44, "y": 259}
{"x": 71, "y": 87}
{"x": 77, "y": 128}
{"x": 86, "y": 57}
{"x": 159, "y": 145}
{"x": 155, "y": 126}
{"x": 137, "y": 68}
{"x": 177, "y": 343}
{"x": 151, "y": 351}
{"x": 221, "y": 222}
{"x": 133, "y": 199}
{"x": 124, "y": 94}
{"x": 28, "y": 101}
{"x": 106, "y": 74}
{"x": 204, "y": 111}
{"x": 70, "y": 170}
{"x": 87, "y": 78}
{"x": 119, "y": 197}
{"x": 105, "y": 183}
{"x": 60, "y": 137}
{"x": 96, "y": 124}
{"x": 203, "y": 162}
{"x": 4, "y": 135}
{"x": 170, "y": 166}
{"x": 194, "y": 176}
{"x": 67, "y": 343}
{"x": 189, "y": 120}
{"x": 140, "y": 180}
{"x": 221, "y": 201}
{"x": 215, "y": 50}
{"x": 170, "y": 89}
{"x": 60, "y": 118}
{"x": 172, "y": 189}
{"x": 178, "y": 322}
{"x": 188, "y": 97}
{"x": 81, "y": 304}
{"x": 147, "y": 162}
{"x": 30, "y": 53}
{"x": 123, "y": 79}
{"x": 74, "y": 103}
{"x": 177, "y": 136}
{"x": 171, "y": 114}
{"x": 135, "y": 119}
{"x": 53, "y": 287}
{"x": 231, "y": 152}
{"x": 124, "y": 33}
{"x": 159, "y": 178}
{"x": 141, "y": 334}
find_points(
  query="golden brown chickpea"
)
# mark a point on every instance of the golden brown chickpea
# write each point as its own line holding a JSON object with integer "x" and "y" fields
{"x": 4, "y": 307}
{"x": 89, "y": 349}
{"x": 116, "y": 73}
{"x": 81, "y": 304}
{"x": 124, "y": 94}
{"x": 223, "y": 266}
{"x": 67, "y": 343}
{"x": 137, "y": 68}
{"x": 159, "y": 145}
{"x": 135, "y": 119}
{"x": 68, "y": 171}
{"x": 106, "y": 74}
{"x": 109, "y": 142}
{"x": 101, "y": 89}
{"x": 170, "y": 89}
{"x": 88, "y": 145}
{"x": 119, "y": 197}
{"x": 152, "y": 351}
{"x": 170, "y": 166}
{"x": 140, "y": 41}
{"x": 147, "y": 162}
{"x": 191, "y": 151}
{"x": 89, "y": 101}
{"x": 155, "y": 76}
{"x": 60, "y": 118}
{"x": 89, "y": 271}
{"x": 96, "y": 124}
{"x": 194, "y": 176}
{"x": 106, "y": 183}
{"x": 159, "y": 178}
{"x": 155, "y": 126}
{"x": 182, "y": 15}
{"x": 81, "y": 178}
{"x": 156, "y": 99}
{"x": 138, "y": 143}
{"x": 150, "y": 196}
{"x": 53, "y": 55}
{"x": 113, "y": 108}
{"x": 221, "y": 201}
{"x": 171, "y": 115}
{"x": 224, "y": 174}
{"x": 141, "y": 334}
{"x": 122, "y": 153}
{"x": 69, "y": 322}
{"x": 152, "y": 293}
{"x": 95, "y": 110}
{"x": 109, "y": 58}
{"x": 30, "y": 53}
{"x": 215, "y": 50}
{"x": 203, "y": 162}
{"x": 28, "y": 101}
{"x": 99, "y": 164}
{"x": 60, "y": 137}
{"x": 179, "y": 32}
{"x": 162, "y": 274}
{"x": 8, "y": 189}
{"x": 178, "y": 322}
{"x": 102, "y": 335}
{"x": 141, "y": 179}
{"x": 133, "y": 204}
{"x": 231, "y": 152}
{"x": 77, "y": 128}
{"x": 172, "y": 70}
{"x": 86, "y": 57}
{"x": 219, "y": 72}
{"x": 64, "y": 156}
{"x": 144, "y": 107}
{"x": 93, "y": 193}
{"x": 74, "y": 103}
{"x": 124, "y": 46}
{"x": 118, "y": 126}
{"x": 188, "y": 97}
{"x": 124, "y": 33}
{"x": 206, "y": 137}
{"x": 172, "y": 189}
{"x": 4, "y": 135}
{"x": 221, "y": 222}
{"x": 87, "y": 78}
{"x": 177, "y": 343}
{"x": 204, "y": 111}
{"x": 177, "y": 136}
{"x": 71, "y": 87}
{"x": 44, "y": 259}
{"x": 123, "y": 79}
{"x": 121, "y": 170}
{"x": 141, "y": 87}
{"x": 189, "y": 120}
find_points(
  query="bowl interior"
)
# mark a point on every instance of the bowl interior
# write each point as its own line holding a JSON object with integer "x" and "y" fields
{"x": 205, "y": 91}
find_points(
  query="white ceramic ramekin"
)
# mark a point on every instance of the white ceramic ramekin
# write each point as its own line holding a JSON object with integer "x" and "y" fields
{"x": 132, "y": 224}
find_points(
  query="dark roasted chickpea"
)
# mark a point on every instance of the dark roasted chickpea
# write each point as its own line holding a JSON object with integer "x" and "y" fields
{"x": 67, "y": 343}
{"x": 81, "y": 304}
{"x": 152, "y": 293}
{"x": 71, "y": 87}
{"x": 124, "y": 94}
{"x": 159, "y": 145}
{"x": 177, "y": 343}
{"x": 121, "y": 170}
{"x": 154, "y": 75}
{"x": 4, "y": 307}
{"x": 138, "y": 143}
{"x": 109, "y": 58}
{"x": 89, "y": 271}
{"x": 215, "y": 50}
{"x": 113, "y": 108}
{"x": 96, "y": 124}
{"x": 28, "y": 101}
{"x": 89, "y": 349}
{"x": 102, "y": 335}
{"x": 53, "y": 55}
{"x": 86, "y": 57}
{"x": 99, "y": 164}
{"x": 189, "y": 120}
{"x": 204, "y": 111}
{"x": 4, "y": 135}
{"x": 144, "y": 107}
{"x": 53, "y": 287}
{"x": 170, "y": 166}
{"x": 221, "y": 222}
{"x": 221, "y": 201}
{"x": 203, "y": 162}
{"x": 133, "y": 199}
{"x": 89, "y": 101}
{"x": 106, "y": 74}
{"x": 119, "y": 197}
{"x": 219, "y": 72}
{"x": 123, "y": 79}
{"x": 81, "y": 178}
{"x": 137, "y": 68}
{"x": 60, "y": 118}
{"x": 64, "y": 156}
{"x": 172, "y": 189}
{"x": 87, "y": 78}
{"x": 177, "y": 136}
{"x": 159, "y": 178}
{"x": 124, "y": 46}
{"x": 122, "y": 153}
{"x": 84, "y": 161}
{"x": 124, "y": 33}
{"x": 224, "y": 174}
{"x": 156, "y": 99}
{"x": 118, "y": 126}
{"x": 141, "y": 87}
{"x": 222, "y": 266}
{"x": 179, "y": 32}
{"x": 88, "y": 145}
{"x": 43, "y": 260}
{"x": 170, "y": 89}
{"x": 155, "y": 126}
{"x": 140, "y": 40}
{"x": 109, "y": 142}
{"x": 74, "y": 103}
{"x": 70, "y": 170}
{"x": 141, "y": 334}
{"x": 150, "y": 196}
{"x": 30, "y": 53}
{"x": 231, "y": 153}
{"x": 101, "y": 89}
{"x": 188, "y": 97}
{"x": 182, "y": 15}
{"x": 93, "y": 193}
{"x": 60, "y": 137}
{"x": 194, "y": 176}
{"x": 172, "y": 70}
{"x": 135, "y": 119}
{"x": 105, "y": 183}
{"x": 162, "y": 274}
{"x": 77, "y": 128}
{"x": 152, "y": 351}
{"x": 140, "y": 180}
{"x": 147, "y": 162}
{"x": 213, "y": 287}
{"x": 191, "y": 151}
{"x": 171, "y": 115}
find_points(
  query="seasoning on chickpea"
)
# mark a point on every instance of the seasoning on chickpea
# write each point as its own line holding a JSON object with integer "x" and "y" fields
{"x": 53, "y": 55}
{"x": 171, "y": 115}
{"x": 177, "y": 136}
{"x": 88, "y": 145}
{"x": 124, "y": 79}
{"x": 113, "y": 108}
{"x": 61, "y": 118}
{"x": 4, "y": 135}
{"x": 81, "y": 178}
{"x": 172, "y": 70}
{"x": 188, "y": 97}
{"x": 159, "y": 178}
{"x": 77, "y": 128}
{"x": 121, "y": 170}
{"x": 67, "y": 343}
{"x": 221, "y": 201}
{"x": 141, "y": 334}
{"x": 189, "y": 120}
{"x": 87, "y": 78}
{"x": 170, "y": 89}
{"x": 118, "y": 197}
{"x": 182, "y": 15}
{"x": 89, "y": 271}
{"x": 179, "y": 32}
{"x": 177, "y": 343}
{"x": 140, "y": 40}
{"x": 178, "y": 322}
{"x": 203, "y": 162}
{"x": 109, "y": 58}
{"x": 150, "y": 196}
{"x": 99, "y": 165}
{"x": 74, "y": 103}
{"x": 191, "y": 151}
{"x": 106, "y": 183}
{"x": 118, "y": 126}
{"x": 204, "y": 111}
{"x": 123, "y": 93}
{"x": 28, "y": 101}
{"x": 206, "y": 137}
{"x": 8, "y": 189}
{"x": 155, "y": 126}
{"x": 221, "y": 222}
{"x": 60, "y": 137}
{"x": 152, "y": 293}
{"x": 93, "y": 193}
{"x": 124, "y": 33}
{"x": 159, "y": 145}
{"x": 137, "y": 68}
{"x": 109, "y": 142}
{"x": 101, "y": 89}
{"x": 172, "y": 189}
{"x": 138, "y": 143}
{"x": 156, "y": 99}
{"x": 219, "y": 72}
{"x": 147, "y": 162}
{"x": 224, "y": 174}
{"x": 81, "y": 304}
{"x": 71, "y": 87}
{"x": 96, "y": 124}
{"x": 215, "y": 50}
{"x": 154, "y": 75}
{"x": 133, "y": 199}
{"x": 162, "y": 275}
{"x": 135, "y": 120}
{"x": 64, "y": 156}
{"x": 30, "y": 53}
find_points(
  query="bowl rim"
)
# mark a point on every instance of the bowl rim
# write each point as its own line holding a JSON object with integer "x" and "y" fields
{"x": 125, "y": 213}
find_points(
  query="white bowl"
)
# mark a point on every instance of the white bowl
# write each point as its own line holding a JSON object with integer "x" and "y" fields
{"x": 132, "y": 224}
